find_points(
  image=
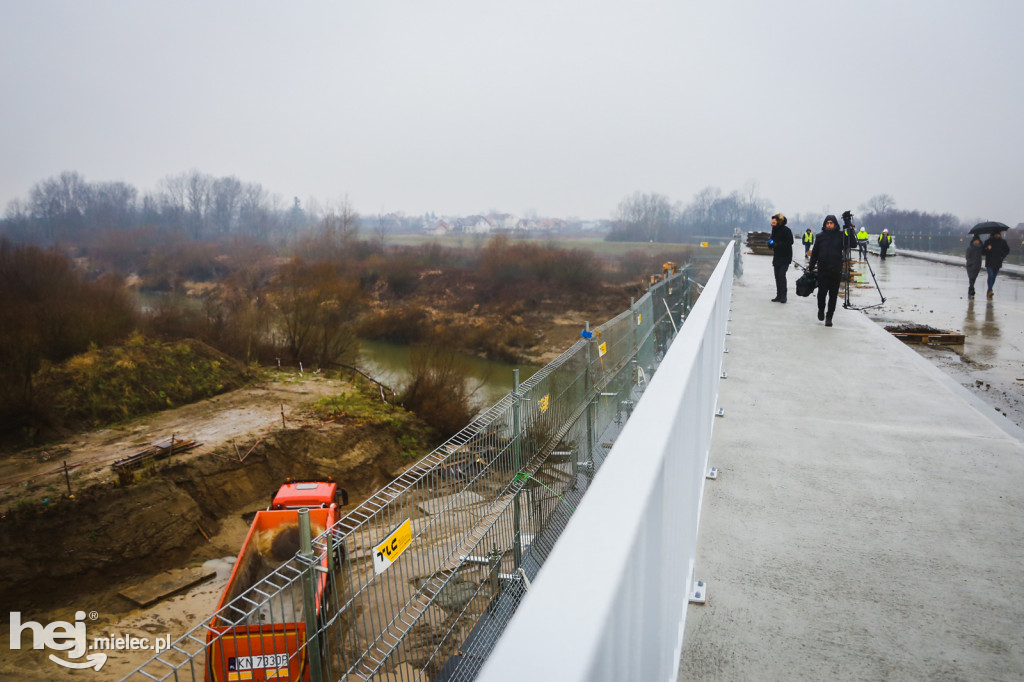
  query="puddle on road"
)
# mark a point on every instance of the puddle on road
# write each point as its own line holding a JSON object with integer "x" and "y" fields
{"x": 991, "y": 361}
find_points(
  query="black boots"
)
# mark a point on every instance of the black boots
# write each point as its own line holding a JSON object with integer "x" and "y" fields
{"x": 828, "y": 321}
{"x": 821, "y": 314}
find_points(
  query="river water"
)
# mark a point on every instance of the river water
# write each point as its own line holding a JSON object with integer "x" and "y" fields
{"x": 389, "y": 364}
{"x": 921, "y": 292}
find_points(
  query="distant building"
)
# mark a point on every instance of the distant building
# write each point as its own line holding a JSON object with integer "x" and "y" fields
{"x": 474, "y": 224}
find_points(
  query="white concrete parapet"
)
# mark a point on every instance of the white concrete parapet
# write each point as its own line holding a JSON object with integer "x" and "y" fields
{"x": 610, "y": 602}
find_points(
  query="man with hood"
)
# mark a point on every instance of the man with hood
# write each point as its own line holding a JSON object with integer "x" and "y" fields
{"x": 781, "y": 243}
{"x": 828, "y": 256}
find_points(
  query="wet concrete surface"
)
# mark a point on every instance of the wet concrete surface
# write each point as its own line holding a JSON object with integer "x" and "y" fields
{"x": 865, "y": 523}
{"x": 921, "y": 292}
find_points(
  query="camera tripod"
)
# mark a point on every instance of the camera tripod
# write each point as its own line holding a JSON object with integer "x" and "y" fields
{"x": 848, "y": 264}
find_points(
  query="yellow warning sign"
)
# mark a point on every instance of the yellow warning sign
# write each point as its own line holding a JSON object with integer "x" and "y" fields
{"x": 602, "y": 349}
{"x": 388, "y": 551}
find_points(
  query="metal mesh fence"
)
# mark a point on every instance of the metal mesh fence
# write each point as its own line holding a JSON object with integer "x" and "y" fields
{"x": 478, "y": 517}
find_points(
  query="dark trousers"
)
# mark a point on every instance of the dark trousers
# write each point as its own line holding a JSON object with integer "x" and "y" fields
{"x": 863, "y": 246}
{"x": 780, "y": 281}
{"x": 882, "y": 250}
{"x": 992, "y": 272}
{"x": 828, "y": 285}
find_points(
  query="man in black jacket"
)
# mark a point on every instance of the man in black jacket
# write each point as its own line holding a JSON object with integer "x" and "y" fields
{"x": 781, "y": 242}
{"x": 827, "y": 256}
{"x": 996, "y": 250}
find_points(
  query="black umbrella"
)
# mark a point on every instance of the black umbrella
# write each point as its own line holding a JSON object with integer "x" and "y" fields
{"x": 989, "y": 227}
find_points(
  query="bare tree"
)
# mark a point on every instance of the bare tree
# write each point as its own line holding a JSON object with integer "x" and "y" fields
{"x": 197, "y": 195}
{"x": 225, "y": 197}
{"x": 702, "y": 205}
{"x": 60, "y": 202}
{"x": 317, "y": 310}
{"x": 647, "y": 216}
{"x": 380, "y": 231}
{"x": 111, "y": 205}
{"x": 878, "y": 204}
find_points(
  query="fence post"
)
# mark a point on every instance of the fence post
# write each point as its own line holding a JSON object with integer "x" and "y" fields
{"x": 309, "y": 597}
{"x": 737, "y": 254}
{"x": 493, "y": 574}
{"x": 636, "y": 348}
{"x": 587, "y": 384}
{"x": 517, "y": 539}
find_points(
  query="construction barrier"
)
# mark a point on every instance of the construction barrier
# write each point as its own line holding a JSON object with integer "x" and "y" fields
{"x": 420, "y": 580}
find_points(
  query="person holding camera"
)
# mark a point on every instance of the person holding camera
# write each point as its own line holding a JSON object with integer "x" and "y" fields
{"x": 849, "y": 229}
{"x": 781, "y": 242}
{"x": 827, "y": 259}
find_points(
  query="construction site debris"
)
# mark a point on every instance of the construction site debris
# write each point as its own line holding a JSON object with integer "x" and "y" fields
{"x": 166, "y": 585}
{"x": 125, "y": 467}
{"x": 922, "y": 333}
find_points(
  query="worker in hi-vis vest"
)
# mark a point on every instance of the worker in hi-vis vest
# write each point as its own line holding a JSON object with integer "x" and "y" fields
{"x": 862, "y": 242}
{"x": 808, "y": 242}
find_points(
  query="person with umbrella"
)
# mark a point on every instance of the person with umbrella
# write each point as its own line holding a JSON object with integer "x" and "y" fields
{"x": 973, "y": 257}
{"x": 995, "y": 249}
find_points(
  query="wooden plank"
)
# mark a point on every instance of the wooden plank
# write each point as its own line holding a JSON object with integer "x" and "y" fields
{"x": 944, "y": 338}
{"x": 165, "y": 585}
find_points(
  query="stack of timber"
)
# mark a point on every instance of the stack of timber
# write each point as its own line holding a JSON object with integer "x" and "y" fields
{"x": 911, "y": 333}
{"x": 125, "y": 467}
{"x": 758, "y": 243}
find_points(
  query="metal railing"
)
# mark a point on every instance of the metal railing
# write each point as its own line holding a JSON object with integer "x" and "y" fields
{"x": 948, "y": 244}
{"x": 477, "y": 518}
{"x": 610, "y": 603}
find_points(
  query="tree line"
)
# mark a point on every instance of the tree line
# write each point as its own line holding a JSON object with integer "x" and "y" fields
{"x": 68, "y": 208}
{"x": 204, "y": 207}
{"x": 654, "y": 217}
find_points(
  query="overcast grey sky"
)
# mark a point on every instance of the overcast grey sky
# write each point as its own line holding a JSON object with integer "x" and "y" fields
{"x": 561, "y": 107}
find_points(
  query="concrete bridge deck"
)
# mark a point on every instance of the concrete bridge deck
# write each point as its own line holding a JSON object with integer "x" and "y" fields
{"x": 868, "y": 518}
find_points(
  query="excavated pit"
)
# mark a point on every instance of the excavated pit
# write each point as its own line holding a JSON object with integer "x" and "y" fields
{"x": 109, "y": 535}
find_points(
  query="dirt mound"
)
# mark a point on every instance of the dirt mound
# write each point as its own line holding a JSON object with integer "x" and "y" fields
{"x": 912, "y": 329}
{"x": 110, "y": 384}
